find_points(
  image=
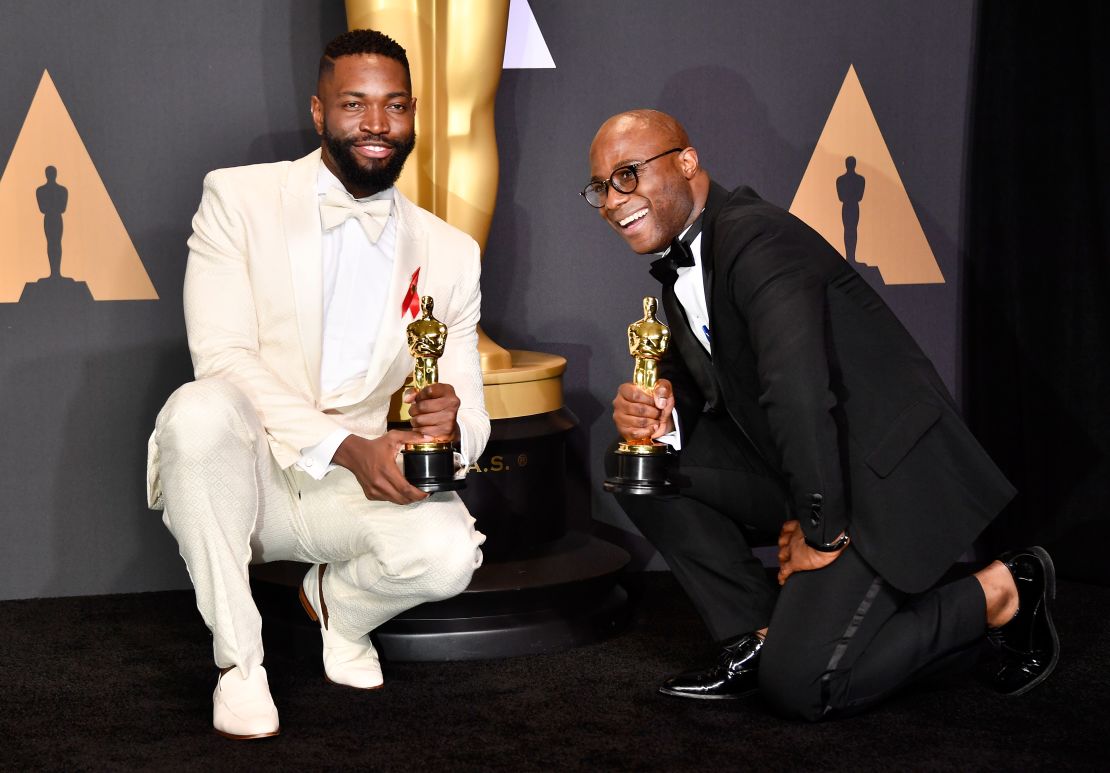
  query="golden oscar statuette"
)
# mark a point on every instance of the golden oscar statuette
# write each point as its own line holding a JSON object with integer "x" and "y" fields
{"x": 642, "y": 464}
{"x": 428, "y": 466}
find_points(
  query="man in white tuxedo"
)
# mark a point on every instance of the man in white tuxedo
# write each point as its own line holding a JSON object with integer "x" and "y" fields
{"x": 301, "y": 280}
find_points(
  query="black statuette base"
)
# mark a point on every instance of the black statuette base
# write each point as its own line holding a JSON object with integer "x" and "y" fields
{"x": 642, "y": 474}
{"x": 431, "y": 471}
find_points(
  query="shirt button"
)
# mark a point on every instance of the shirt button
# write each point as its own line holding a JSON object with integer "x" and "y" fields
{"x": 309, "y": 462}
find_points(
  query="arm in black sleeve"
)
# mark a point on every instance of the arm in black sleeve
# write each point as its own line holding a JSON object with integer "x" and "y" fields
{"x": 782, "y": 299}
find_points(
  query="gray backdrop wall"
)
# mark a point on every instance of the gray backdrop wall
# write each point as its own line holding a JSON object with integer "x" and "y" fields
{"x": 162, "y": 92}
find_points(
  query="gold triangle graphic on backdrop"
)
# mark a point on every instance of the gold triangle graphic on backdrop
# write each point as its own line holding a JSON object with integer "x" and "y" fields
{"x": 889, "y": 235}
{"x": 95, "y": 247}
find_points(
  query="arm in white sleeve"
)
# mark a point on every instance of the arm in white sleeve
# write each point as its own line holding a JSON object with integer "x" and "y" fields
{"x": 316, "y": 460}
{"x": 222, "y": 323}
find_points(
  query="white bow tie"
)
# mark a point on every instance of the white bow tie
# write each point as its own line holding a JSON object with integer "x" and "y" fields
{"x": 337, "y": 206}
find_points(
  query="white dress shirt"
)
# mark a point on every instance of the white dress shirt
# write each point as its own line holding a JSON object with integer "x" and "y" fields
{"x": 689, "y": 289}
{"x": 356, "y": 276}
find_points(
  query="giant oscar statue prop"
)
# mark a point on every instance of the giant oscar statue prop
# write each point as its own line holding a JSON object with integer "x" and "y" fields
{"x": 429, "y": 466}
{"x": 642, "y": 465}
{"x": 547, "y": 582}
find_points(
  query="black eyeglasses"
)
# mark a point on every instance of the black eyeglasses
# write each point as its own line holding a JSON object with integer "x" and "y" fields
{"x": 623, "y": 179}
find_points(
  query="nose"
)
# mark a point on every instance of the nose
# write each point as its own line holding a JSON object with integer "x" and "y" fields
{"x": 374, "y": 121}
{"x": 613, "y": 198}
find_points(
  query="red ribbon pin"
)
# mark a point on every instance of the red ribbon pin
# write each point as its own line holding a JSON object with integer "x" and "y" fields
{"x": 411, "y": 303}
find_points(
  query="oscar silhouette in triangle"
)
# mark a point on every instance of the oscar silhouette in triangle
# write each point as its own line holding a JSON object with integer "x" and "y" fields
{"x": 887, "y": 245}
{"x": 93, "y": 252}
{"x": 849, "y": 189}
{"x": 53, "y": 198}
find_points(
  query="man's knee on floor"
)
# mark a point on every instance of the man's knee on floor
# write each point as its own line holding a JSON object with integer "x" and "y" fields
{"x": 792, "y": 689}
{"x": 201, "y": 415}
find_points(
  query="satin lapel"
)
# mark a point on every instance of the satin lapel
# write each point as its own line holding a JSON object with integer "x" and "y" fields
{"x": 693, "y": 353}
{"x": 412, "y": 254}
{"x": 304, "y": 241}
{"x": 718, "y": 196}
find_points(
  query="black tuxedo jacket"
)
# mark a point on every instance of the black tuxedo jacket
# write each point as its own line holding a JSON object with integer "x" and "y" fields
{"x": 832, "y": 392}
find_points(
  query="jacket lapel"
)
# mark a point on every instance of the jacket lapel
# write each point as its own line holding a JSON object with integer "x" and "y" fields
{"x": 693, "y": 353}
{"x": 740, "y": 409}
{"x": 713, "y": 203}
{"x": 303, "y": 239}
{"x": 412, "y": 255}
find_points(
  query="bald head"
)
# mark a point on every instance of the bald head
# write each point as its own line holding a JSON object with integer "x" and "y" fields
{"x": 660, "y": 125}
{"x": 670, "y": 189}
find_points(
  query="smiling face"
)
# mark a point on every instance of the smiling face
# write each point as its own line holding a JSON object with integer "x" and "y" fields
{"x": 670, "y": 191}
{"x": 365, "y": 114}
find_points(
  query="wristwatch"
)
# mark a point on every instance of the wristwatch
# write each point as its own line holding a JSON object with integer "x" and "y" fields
{"x": 829, "y": 547}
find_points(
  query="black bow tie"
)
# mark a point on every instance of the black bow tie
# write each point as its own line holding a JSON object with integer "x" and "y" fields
{"x": 680, "y": 254}
{"x": 665, "y": 269}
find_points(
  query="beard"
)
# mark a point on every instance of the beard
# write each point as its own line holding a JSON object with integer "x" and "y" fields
{"x": 376, "y": 177}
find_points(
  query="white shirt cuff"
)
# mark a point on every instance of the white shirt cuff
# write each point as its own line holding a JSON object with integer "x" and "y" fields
{"x": 316, "y": 460}
{"x": 673, "y": 439}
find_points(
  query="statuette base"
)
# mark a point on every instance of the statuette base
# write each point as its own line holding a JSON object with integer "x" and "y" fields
{"x": 642, "y": 469}
{"x": 431, "y": 467}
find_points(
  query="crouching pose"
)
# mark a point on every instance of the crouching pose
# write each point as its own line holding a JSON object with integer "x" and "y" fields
{"x": 803, "y": 408}
{"x": 301, "y": 280}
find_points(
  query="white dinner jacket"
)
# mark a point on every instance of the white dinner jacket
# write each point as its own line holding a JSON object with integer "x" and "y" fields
{"x": 254, "y": 309}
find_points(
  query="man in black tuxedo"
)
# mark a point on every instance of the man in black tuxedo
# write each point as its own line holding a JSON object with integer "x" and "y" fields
{"x": 803, "y": 408}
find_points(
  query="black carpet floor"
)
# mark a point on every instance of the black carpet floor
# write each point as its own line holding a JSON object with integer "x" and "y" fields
{"x": 124, "y": 683}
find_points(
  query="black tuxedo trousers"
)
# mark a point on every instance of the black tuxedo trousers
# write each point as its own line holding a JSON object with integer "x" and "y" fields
{"x": 839, "y": 638}
{"x": 816, "y": 405}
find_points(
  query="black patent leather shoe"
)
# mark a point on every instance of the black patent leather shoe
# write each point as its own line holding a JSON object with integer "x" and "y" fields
{"x": 733, "y": 675}
{"x": 1026, "y": 649}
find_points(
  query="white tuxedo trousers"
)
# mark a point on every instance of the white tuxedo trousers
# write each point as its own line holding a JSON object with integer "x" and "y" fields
{"x": 229, "y": 504}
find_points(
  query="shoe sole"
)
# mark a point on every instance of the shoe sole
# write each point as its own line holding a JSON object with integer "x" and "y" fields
{"x": 676, "y": 694}
{"x": 323, "y": 606}
{"x": 1050, "y": 594}
{"x": 308, "y": 607}
{"x": 312, "y": 614}
{"x": 232, "y": 737}
{"x": 351, "y": 686}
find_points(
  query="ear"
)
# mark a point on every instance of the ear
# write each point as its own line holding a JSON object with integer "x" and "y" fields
{"x": 317, "y": 109}
{"x": 412, "y": 106}
{"x": 688, "y": 163}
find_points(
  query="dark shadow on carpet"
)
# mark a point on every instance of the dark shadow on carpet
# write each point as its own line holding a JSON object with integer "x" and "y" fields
{"x": 124, "y": 683}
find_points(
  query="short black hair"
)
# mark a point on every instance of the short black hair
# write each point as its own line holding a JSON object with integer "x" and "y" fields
{"x": 358, "y": 42}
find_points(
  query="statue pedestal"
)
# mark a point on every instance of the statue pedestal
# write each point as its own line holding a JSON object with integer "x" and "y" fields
{"x": 542, "y": 587}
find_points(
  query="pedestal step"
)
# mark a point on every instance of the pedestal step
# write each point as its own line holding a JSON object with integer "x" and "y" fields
{"x": 564, "y": 595}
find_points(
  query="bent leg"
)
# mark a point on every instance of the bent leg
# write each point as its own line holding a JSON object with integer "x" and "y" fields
{"x": 710, "y": 557}
{"x": 841, "y": 639}
{"x": 704, "y": 532}
{"x": 222, "y": 489}
{"x": 384, "y": 558}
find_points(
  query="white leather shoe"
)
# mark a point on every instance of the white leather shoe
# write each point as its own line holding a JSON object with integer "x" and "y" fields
{"x": 242, "y": 708}
{"x": 352, "y": 663}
